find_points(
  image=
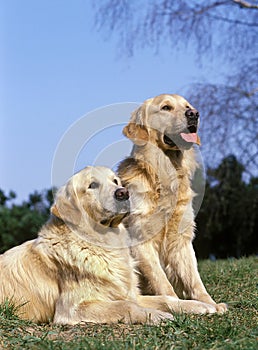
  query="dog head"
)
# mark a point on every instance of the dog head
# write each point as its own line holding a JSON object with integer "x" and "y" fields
{"x": 169, "y": 121}
{"x": 94, "y": 193}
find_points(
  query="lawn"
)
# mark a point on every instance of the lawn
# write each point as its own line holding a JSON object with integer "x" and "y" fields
{"x": 233, "y": 281}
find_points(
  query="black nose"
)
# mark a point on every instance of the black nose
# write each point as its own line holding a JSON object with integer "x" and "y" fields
{"x": 192, "y": 115}
{"x": 121, "y": 194}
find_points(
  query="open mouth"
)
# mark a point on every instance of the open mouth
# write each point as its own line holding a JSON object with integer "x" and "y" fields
{"x": 168, "y": 141}
{"x": 189, "y": 136}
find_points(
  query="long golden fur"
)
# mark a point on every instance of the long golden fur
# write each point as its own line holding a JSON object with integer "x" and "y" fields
{"x": 157, "y": 175}
{"x": 79, "y": 269}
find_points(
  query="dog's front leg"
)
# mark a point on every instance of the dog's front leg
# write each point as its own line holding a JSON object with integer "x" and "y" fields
{"x": 110, "y": 311}
{"x": 183, "y": 265}
{"x": 153, "y": 279}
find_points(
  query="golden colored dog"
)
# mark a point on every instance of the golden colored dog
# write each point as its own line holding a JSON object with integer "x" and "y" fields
{"x": 80, "y": 268}
{"x": 158, "y": 175}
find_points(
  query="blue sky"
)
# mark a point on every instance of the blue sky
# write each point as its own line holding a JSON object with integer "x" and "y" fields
{"x": 55, "y": 68}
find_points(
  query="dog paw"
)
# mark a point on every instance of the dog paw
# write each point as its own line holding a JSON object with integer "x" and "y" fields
{"x": 192, "y": 307}
{"x": 203, "y": 308}
{"x": 221, "y": 308}
{"x": 159, "y": 316}
{"x": 213, "y": 308}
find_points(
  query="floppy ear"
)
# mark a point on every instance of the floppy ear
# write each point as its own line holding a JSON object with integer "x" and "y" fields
{"x": 136, "y": 130}
{"x": 65, "y": 207}
{"x": 138, "y": 134}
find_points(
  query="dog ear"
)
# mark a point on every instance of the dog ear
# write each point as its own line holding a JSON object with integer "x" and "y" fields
{"x": 138, "y": 134}
{"x": 65, "y": 206}
{"x": 136, "y": 130}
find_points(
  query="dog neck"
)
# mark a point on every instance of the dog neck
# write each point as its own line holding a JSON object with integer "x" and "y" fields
{"x": 85, "y": 233}
{"x": 175, "y": 157}
{"x": 170, "y": 163}
{"x": 156, "y": 156}
{"x": 157, "y": 161}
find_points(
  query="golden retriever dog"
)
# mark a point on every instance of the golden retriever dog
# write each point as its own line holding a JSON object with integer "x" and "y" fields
{"x": 158, "y": 175}
{"x": 79, "y": 268}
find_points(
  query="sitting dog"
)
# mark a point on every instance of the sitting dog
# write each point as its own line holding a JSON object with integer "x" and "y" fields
{"x": 158, "y": 175}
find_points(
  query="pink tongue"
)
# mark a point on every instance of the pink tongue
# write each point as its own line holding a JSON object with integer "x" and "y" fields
{"x": 189, "y": 137}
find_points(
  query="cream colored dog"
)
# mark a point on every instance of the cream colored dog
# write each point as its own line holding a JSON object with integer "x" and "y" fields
{"x": 79, "y": 268}
{"x": 158, "y": 175}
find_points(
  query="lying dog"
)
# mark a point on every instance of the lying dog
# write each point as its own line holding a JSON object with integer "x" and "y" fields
{"x": 158, "y": 175}
{"x": 79, "y": 268}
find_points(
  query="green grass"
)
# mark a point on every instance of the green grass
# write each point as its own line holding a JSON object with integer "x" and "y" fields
{"x": 233, "y": 281}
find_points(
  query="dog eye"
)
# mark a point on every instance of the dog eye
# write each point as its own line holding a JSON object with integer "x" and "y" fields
{"x": 166, "y": 108}
{"x": 115, "y": 181}
{"x": 93, "y": 185}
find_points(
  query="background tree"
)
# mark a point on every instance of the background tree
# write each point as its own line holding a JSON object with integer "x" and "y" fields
{"x": 227, "y": 220}
{"x": 229, "y": 120}
{"x": 19, "y": 223}
{"x": 216, "y": 30}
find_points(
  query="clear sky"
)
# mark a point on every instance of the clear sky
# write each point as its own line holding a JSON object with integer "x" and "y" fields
{"x": 56, "y": 68}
